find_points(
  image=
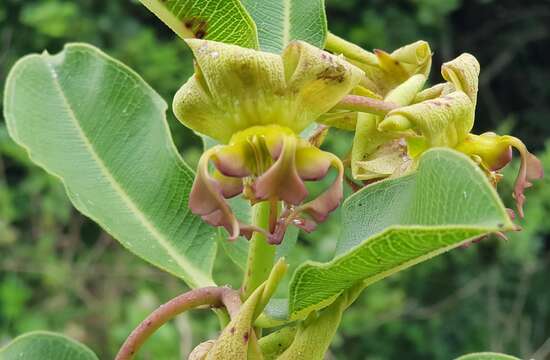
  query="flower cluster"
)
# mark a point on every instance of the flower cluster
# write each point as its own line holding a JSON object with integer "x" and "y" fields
{"x": 440, "y": 116}
{"x": 256, "y": 106}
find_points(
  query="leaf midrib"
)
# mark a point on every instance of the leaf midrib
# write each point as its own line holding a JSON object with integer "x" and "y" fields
{"x": 193, "y": 278}
{"x": 286, "y": 22}
{"x": 296, "y": 313}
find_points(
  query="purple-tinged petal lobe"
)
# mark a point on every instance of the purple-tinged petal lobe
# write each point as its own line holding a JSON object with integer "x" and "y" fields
{"x": 206, "y": 199}
{"x": 530, "y": 169}
{"x": 320, "y": 207}
{"x": 312, "y": 163}
{"x": 281, "y": 180}
{"x": 231, "y": 161}
{"x": 495, "y": 153}
{"x": 229, "y": 186}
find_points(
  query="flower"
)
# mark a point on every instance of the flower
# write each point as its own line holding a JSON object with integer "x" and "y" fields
{"x": 255, "y": 104}
{"x": 443, "y": 116}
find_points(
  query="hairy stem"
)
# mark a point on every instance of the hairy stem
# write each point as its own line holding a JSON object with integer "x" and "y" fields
{"x": 211, "y": 296}
{"x": 365, "y": 104}
{"x": 261, "y": 254}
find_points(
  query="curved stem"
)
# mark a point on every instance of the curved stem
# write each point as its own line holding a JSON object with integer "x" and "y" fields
{"x": 261, "y": 254}
{"x": 211, "y": 296}
{"x": 365, "y": 104}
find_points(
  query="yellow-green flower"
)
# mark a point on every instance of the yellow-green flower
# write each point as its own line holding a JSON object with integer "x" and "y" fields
{"x": 255, "y": 104}
{"x": 443, "y": 116}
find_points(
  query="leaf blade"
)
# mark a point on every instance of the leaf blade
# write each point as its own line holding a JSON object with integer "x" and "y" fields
{"x": 42, "y": 345}
{"x": 225, "y": 21}
{"x": 403, "y": 227}
{"x": 281, "y": 21}
{"x": 90, "y": 125}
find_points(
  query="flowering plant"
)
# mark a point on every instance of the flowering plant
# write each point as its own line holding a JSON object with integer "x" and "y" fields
{"x": 265, "y": 93}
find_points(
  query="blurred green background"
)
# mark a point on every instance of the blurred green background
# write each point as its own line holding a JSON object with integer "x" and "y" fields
{"x": 59, "y": 271}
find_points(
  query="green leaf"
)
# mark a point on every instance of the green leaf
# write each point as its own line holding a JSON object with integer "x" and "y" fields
{"x": 487, "y": 356}
{"x": 97, "y": 126}
{"x": 281, "y": 21}
{"x": 394, "y": 224}
{"x": 42, "y": 345}
{"x": 224, "y": 21}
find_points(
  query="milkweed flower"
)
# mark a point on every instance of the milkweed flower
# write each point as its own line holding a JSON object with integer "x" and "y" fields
{"x": 443, "y": 116}
{"x": 256, "y": 104}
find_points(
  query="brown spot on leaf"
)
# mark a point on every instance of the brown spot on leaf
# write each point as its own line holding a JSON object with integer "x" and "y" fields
{"x": 197, "y": 26}
{"x": 232, "y": 330}
{"x": 245, "y": 337}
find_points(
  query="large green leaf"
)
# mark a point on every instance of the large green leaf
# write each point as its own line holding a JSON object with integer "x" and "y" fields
{"x": 96, "y": 125}
{"x": 42, "y": 345}
{"x": 281, "y": 21}
{"x": 220, "y": 20}
{"x": 487, "y": 356}
{"x": 397, "y": 223}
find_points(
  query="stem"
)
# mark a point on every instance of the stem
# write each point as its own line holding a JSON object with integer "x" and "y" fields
{"x": 365, "y": 104}
{"x": 212, "y": 296}
{"x": 261, "y": 254}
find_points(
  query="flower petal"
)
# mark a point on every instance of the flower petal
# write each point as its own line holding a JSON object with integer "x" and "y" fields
{"x": 311, "y": 163}
{"x": 530, "y": 169}
{"x": 390, "y": 70}
{"x": 282, "y": 181}
{"x": 495, "y": 153}
{"x": 320, "y": 207}
{"x": 235, "y": 88}
{"x": 463, "y": 73}
{"x": 206, "y": 198}
{"x": 317, "y": 80}
{"x": 444, "y": 121}
{"x": 231, "y": 160}
{"x": 389, "y": 159}
{"x": 229, "y": 186}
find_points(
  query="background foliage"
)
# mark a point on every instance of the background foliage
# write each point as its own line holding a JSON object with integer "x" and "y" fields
{"x": 59, "y": 272}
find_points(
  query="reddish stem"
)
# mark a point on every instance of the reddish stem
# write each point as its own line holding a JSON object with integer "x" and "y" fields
{"x": 365, "y": 104}
{"x": 211, "y": 296}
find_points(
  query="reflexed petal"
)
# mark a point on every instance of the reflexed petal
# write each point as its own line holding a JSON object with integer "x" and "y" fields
{"x": 463, "y": 73}
{"x": 320, "y": 207}
{"x": 231, "y": 160}
{"x": 530, "y": 169}
{"x": 235, "y": 88}
{"x": 312, "y": 163}
{"x": 495, "y": 153}
{"x": 281, "y": 180}
{"x": 206, "y": 199}
{"x": 230, "y": 186}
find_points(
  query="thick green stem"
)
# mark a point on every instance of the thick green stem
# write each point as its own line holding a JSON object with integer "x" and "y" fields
{"x": 261, "y": 254}
{"x": 315, "y": 334}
